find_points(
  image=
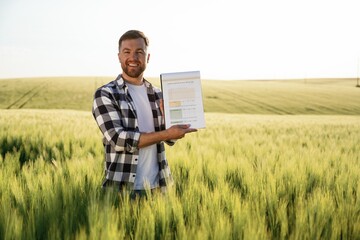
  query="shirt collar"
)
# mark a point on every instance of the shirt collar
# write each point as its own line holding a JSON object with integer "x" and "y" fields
{"x": 121, "y": 83}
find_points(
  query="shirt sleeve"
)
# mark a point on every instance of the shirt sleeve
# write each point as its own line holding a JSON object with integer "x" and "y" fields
{"x": 108, "y": 117}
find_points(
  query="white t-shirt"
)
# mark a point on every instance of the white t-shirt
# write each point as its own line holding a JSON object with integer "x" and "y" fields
{"x": 147, "y": 172}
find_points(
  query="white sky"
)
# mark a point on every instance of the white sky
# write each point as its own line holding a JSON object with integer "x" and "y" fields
{"x": 243, "y": 39}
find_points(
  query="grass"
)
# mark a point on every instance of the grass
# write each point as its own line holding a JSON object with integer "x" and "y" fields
{"x": 281, "y": 172}
{"x": 253, "y": 176}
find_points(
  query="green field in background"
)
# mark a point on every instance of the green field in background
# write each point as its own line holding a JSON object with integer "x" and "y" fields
{"x": 308, "y": 96}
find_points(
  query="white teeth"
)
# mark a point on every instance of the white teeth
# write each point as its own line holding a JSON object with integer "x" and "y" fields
{"x": 132, "y": 65}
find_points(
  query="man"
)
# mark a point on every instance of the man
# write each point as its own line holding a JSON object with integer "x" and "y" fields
{"x": 128, "y": 112}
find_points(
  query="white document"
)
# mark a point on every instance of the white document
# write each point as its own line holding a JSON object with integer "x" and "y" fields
{"x": 183, "y": 103}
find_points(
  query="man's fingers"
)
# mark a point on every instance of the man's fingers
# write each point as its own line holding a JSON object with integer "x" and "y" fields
{"x": 179, "y": 131}
{"x": 187, "y": 128}
{"x": 191, "y": 130}
{"x": 184, "y": 126}
{"x": 161, "y": 103}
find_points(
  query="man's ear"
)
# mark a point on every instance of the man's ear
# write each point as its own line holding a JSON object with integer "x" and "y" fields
{"x": 119, "y": 57}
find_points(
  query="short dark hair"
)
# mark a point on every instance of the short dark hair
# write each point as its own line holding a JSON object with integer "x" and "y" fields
{"x": 133, "y": 34}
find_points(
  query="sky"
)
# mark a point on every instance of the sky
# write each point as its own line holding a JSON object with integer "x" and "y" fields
{"x": 239, "y": 39}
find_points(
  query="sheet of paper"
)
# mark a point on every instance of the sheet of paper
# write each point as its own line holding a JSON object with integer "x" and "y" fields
{"x": 183, "y": 103}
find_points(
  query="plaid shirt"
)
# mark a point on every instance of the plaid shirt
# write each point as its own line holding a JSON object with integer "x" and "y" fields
{"x": 114, "y": 112}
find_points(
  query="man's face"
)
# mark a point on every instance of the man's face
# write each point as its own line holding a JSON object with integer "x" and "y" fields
{"x": 133, "y": 57}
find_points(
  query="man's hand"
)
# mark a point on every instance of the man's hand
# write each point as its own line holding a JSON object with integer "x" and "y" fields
{"x": 173, "y": 133}
{"x": 179, "y": 131}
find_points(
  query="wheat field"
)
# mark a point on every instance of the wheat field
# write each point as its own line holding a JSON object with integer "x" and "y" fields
{"x": 246, "y": 176}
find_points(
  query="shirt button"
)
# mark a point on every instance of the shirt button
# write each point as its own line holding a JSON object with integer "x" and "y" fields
{"x": 135, "y": 159}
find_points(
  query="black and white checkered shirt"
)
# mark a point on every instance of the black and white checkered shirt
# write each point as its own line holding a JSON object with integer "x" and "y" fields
{"x": 114, "y": 112}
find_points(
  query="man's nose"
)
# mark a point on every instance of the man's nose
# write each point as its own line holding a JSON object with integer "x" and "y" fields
{"x": 135, "y": 56}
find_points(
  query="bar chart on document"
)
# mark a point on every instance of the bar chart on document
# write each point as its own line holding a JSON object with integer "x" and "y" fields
{"x": 183, "y": 103}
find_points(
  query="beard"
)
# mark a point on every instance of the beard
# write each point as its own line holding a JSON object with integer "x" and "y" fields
{"x": 133, "y": 72}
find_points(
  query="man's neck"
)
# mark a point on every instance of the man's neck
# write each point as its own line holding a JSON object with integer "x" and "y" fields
{"x": 133, "y": 81}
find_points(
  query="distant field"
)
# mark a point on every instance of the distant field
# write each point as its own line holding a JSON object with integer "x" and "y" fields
{"x": 307, "y": 96}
